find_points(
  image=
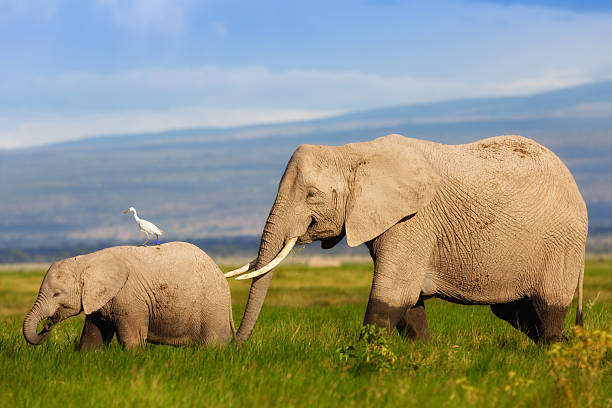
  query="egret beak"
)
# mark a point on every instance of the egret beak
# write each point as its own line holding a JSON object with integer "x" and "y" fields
{"x": 126, "y": 211}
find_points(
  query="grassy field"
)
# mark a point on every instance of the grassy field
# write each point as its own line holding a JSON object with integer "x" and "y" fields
{"x": 474, "y": 359}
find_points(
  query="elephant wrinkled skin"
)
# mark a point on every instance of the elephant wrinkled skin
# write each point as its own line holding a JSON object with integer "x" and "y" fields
{"x": 168, "y": 294}
{"x": 496, "y": 222}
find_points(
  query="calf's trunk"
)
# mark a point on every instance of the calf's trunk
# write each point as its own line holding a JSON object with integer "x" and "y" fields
{"x": 39, "y": 312}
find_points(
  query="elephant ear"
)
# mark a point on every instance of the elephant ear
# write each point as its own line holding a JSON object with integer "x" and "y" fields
{"x": 103, "y": 277}
{"x": 390, "y": 181}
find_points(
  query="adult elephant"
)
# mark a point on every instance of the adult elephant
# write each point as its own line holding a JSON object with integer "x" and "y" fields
{"x": 498, "y": 222}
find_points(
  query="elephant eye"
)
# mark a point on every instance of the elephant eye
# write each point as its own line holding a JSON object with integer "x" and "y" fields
{"x": 57, "y": 293}
{"x": 311, "y": 193}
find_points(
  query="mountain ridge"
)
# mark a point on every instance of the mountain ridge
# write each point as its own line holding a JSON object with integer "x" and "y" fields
{"x": 220, "y": 182}
{"x": 596, "y": 92}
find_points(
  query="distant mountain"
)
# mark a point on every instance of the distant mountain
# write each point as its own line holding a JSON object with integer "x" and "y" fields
{"x": 207, "y": 183}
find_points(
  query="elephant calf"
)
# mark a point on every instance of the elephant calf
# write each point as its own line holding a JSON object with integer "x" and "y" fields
{"x": 167, "y": 294}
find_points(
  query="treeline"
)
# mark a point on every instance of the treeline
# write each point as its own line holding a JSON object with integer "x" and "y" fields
{"x": 218, "y": 247}
{"x": 240, "y": 246}
{"x": 599, "y": 242}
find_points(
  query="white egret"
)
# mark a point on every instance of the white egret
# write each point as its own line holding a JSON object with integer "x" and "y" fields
{"x": 145, "y": 226}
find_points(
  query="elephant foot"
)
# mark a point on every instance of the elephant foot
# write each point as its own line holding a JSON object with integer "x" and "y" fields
{"x": 414, "y": 324}
{"x": 133, "y": 346}
{"x": 132, "y": 334}
{"x": 383, "y": 315}
{"x": 540, "y": 322}
{"x": 552, "y": 339}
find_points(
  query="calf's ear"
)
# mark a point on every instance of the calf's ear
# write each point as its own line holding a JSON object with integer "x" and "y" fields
{"x": 103, "y": 276}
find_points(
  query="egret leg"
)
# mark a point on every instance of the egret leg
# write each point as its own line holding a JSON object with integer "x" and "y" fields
{"x": 145, "y": 243}
{"x": 157, "y": 238}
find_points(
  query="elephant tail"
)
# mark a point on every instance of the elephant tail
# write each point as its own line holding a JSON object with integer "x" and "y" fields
{"x": 231, "y": 319}
{"x": 579, "y": 306}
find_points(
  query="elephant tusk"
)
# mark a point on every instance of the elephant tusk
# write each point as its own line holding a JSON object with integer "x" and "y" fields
{"x": 279, "y": 258}
{"x": 242, "y": 269}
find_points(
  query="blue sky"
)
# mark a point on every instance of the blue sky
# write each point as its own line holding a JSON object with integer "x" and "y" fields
{"x": 71, "y": 69}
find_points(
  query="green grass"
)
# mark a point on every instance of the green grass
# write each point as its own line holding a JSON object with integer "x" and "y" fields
{"x": 291, "y": 359}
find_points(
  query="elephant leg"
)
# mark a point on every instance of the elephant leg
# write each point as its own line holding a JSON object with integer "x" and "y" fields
{"x": 555, "y": 291}
{"x": 132, "y": 333}
{"x": 414, "y": 323}
{"x": 96, "y": 333}
{"x": 396, "y": 288}
{"x": 383, "y": 314}
{"x": 522, "y": 315}
{"x": 551, "y": 321}
{"x": 390, "y": 297}
{"x": 216, "y": 328}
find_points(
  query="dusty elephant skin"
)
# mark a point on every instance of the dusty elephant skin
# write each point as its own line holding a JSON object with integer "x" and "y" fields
{"x": 168, "y": 294}
{"x": 497, "y": 222}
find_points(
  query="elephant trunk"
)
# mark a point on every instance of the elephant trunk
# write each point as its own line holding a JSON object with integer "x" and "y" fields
{"x": 272, "y": 241}
{"x": 39, "y": 312}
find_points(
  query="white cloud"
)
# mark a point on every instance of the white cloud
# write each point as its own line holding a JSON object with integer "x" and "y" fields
{"x": 548, "y": 81}
{"x": 160, "y": 99}
{"x": 257, "y": 85}
{"x": 161, "y": 15}
{"x": 49, "y": 130}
